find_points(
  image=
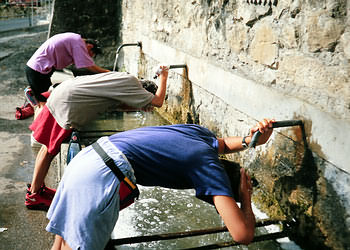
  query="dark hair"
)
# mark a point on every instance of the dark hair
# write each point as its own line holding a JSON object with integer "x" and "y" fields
{"x": 233, "y": 171}
{"x": 149, "y": 86}
{"x": 96, "y": 46}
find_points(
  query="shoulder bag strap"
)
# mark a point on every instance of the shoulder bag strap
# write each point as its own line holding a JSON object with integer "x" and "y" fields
{"x": 108, "y": 161}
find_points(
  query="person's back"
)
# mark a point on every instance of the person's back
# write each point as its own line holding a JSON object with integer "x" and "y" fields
{"x": 56, "y": 53}
{"x": 179, "y": 156}
{"x": 77, "y": 101}
{"x": 60, "y": 51}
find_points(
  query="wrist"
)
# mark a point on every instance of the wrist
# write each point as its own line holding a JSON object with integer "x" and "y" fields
{"x": 246, "y": 203}
{"x": 246, "y": 141}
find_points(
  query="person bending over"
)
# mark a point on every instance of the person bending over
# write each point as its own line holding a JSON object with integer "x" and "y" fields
{"x": 58, "y": 52}
{"x": 72, "y": 104}
{"x": 86, "y": 206}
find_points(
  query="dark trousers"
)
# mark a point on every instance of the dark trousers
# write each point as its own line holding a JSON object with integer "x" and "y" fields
{"x": 38, "y": 82}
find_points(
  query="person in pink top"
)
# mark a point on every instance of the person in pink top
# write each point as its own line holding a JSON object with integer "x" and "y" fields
{"x": 58, "y": 52}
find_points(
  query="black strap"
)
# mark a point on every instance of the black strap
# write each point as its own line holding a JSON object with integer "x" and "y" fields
{"x": 109, "y": 161}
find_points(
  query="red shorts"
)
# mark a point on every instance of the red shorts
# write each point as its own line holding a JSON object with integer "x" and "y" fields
{"x": 48, "y": 132}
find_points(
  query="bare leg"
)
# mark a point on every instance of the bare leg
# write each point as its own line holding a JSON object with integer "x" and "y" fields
{"x": 42, "y": 165}
{"x": 60, "y": 244}
{"x": 57, "y": 243}
{"x": 38, "y": 109}
{"x": 41, "y": 104}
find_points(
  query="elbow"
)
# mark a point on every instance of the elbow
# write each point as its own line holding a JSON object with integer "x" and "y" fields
{"x": 157, "y": 102}
{"x": 158, "y": 105}
{"x": 244, "y": 236}
{"x": 244, "y": 239}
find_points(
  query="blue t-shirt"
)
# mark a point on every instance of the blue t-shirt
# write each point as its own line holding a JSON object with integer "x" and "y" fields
{"x": 176, "y": 156}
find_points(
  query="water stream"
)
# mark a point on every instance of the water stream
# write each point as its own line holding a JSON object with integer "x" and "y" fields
{"x": 161, "y": 210}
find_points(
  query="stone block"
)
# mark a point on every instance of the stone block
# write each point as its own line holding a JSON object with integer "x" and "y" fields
{"x": 263, "y": 48}
{"x": 322, "y": 31}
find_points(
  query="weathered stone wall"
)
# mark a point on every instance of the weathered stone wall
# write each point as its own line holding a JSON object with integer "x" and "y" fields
{"x": 249, "y": 59}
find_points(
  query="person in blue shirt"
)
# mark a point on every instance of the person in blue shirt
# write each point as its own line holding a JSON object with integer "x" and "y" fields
{"x": 85, "y": 208}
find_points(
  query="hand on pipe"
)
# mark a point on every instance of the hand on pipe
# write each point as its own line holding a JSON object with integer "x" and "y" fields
{"x": 161, "y": 70}
{"x": 264, "y": 128}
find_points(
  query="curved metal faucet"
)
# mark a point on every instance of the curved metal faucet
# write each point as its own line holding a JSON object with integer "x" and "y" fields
{"x": 277, "y": 124}
{"x": 139, "y": 44}
{"x": 172, "y": 66}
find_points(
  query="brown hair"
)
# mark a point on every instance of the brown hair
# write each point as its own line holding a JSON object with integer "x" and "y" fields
{"x": 233, "y": 171}
{"x": 96, "y": 49}
{"x": 149, "y": 86}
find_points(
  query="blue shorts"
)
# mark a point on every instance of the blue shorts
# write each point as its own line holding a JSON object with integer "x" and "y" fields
{"x": 86, "y": 204}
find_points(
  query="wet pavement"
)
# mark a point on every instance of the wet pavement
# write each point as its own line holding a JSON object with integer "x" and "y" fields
{"x": 19, "y": 228}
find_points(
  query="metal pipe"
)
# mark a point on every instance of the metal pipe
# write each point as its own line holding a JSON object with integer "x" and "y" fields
{"x": 278, "y": 124}
{"x": 258, "y": 238}
{"x": 176, "y": 66}
{"x": 139, "y": 44}
{"x": 95, "y": 134}
{"x": 169, "y": 236}
{"x": 101, "y": 131}
{"x": 172, "y": 66}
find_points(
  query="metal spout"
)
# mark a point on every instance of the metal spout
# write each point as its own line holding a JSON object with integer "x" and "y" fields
{"x": 278, "y": 124}
{"x": 172, "y": 66}
{"x": 139, "y": 44}
{"x": 177, "y": 66}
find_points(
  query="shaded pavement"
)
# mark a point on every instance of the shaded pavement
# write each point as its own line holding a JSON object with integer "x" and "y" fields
{"x": 19, "y": 228}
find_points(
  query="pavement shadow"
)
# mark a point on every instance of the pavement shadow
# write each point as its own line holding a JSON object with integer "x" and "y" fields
{"x": 14, "y": 126}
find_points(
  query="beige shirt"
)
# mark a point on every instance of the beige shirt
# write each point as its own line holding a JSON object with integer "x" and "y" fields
{"x": 77, "y": 101}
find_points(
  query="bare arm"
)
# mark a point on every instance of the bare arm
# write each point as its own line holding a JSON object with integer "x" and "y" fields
{"x": 234, "y": 144}
{"x": 96, "y": 69}
{"x": 159, "y": 96}
{"x": 239, "y": 221}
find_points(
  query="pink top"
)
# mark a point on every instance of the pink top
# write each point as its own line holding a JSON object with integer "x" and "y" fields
{"x": 60, "y": 51}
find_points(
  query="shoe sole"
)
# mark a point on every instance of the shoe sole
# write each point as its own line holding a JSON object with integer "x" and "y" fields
{"x": 38, "y": 207}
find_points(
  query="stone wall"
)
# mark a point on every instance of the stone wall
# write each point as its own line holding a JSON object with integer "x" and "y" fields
{"x": 250, "y": 59}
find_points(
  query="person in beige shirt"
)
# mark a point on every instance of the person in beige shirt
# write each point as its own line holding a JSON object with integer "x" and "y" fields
{"x": 71, "y": 105}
